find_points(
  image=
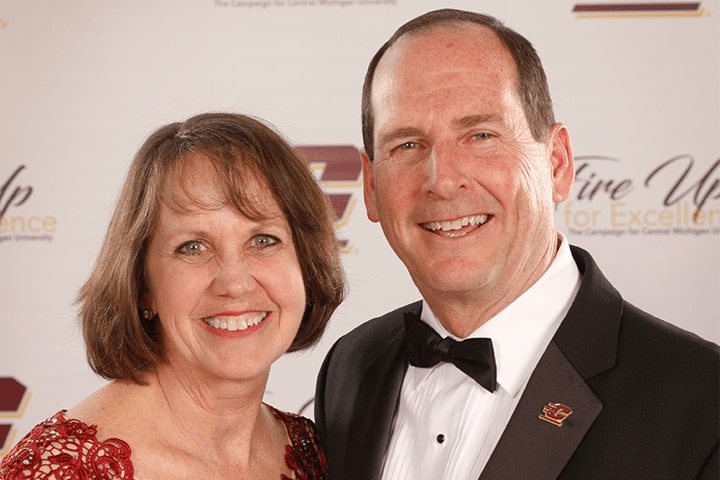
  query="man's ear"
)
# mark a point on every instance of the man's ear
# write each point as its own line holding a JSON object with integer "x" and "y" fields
{"x": 369, "y": 187}
{"x": 563, "y": 164}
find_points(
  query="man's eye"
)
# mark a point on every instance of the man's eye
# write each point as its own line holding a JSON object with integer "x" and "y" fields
{"x": 407, "y": 146}
{"x": 192, "y": 247}
{"x": 482, "y": 136}
{"x": 264, "y": 240}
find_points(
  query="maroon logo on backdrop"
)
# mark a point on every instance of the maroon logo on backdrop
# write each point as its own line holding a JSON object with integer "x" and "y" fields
{"x": 339, "y": 168}
{"x": 639, "y": 9}
{"x": 12, "y": 394}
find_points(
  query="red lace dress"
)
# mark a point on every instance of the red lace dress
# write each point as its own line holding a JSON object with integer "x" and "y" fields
{"x": 62, "y": 448}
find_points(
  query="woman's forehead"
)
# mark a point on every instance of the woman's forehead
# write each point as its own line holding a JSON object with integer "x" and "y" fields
{"x": 200, "y": 182}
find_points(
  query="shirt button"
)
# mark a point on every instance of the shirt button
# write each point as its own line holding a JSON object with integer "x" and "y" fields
{"x": 440, "y": 438}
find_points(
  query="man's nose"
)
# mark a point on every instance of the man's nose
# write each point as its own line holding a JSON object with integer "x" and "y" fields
{"x": 445, "y": 171}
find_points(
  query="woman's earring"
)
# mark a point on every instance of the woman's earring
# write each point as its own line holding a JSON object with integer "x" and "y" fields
{"x": 147, "y": 314}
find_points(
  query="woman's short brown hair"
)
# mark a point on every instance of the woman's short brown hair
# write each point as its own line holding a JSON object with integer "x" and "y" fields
{"x": 122, "y": 346}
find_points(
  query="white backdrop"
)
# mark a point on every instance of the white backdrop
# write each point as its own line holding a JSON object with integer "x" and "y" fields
{"x": 83, "y": 82}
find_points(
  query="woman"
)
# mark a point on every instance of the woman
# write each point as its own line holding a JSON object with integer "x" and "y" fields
{"x": 219, "y": 258}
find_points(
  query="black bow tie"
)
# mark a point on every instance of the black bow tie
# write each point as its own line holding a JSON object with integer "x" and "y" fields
{"x": 474, "y": 356}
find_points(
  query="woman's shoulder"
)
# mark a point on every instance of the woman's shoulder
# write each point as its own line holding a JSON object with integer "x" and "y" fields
{"x": 304, "y": 456}
{"x": 63, "y": 447}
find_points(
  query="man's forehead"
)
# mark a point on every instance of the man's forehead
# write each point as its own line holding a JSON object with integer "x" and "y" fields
{"x": 444, "y": 45}
{"x": 453, "y": 34}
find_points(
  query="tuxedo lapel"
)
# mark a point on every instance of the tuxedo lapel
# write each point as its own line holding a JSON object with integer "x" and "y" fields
{"x": 585, "y": 345}
{"x": 538, "y": 449}
{"x": 375, "y": 411}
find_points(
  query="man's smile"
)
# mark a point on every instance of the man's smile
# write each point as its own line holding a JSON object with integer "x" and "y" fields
{"x": 458, "y": 227}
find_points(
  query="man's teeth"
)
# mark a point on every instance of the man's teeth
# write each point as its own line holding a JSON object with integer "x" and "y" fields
{"x": 451, "y": 225}
{"x": 233, "y": 324}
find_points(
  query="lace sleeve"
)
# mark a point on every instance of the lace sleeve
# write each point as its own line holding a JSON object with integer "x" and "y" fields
{"x": 67, "y": 449}
{"x": 304, "y": 456}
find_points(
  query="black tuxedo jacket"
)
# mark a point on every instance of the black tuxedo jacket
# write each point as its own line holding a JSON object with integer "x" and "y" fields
{"x": 644, "y": 396}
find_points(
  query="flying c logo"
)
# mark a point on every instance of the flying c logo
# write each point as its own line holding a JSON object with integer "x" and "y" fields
{"x": 13, "y": 400}
{"x": 338, "y": 168}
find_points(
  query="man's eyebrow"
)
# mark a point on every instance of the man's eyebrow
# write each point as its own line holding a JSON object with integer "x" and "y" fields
{"x": 463, "y": 122}
{"x": 403, "y": 132}
{"x": 472, "y": 120}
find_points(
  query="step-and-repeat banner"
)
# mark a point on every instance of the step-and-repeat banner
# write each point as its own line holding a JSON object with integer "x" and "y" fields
{"x": 83, "y": 82}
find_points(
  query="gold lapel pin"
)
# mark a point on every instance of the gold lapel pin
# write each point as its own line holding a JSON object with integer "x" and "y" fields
{"x": 555, "y": 413}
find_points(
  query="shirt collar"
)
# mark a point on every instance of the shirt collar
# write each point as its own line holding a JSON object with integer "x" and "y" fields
{"x": 522, "y": 331}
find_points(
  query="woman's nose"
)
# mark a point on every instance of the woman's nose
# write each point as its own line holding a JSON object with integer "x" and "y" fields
{"x": 233, "y": 277}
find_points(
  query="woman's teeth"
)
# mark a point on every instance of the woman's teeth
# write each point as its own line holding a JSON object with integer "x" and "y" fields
{"x": 233, "y": 324}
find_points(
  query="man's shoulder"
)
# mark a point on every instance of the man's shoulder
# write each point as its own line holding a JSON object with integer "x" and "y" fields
{"x": 658, "y": 361}
{"x": 600, "y": 316}
{"x": 644, "y": 331}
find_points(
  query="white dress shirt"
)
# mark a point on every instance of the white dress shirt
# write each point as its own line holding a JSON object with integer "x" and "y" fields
{"x": 447, "y": 425}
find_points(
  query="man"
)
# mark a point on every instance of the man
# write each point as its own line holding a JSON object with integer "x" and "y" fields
{"x": 463, "y": 164}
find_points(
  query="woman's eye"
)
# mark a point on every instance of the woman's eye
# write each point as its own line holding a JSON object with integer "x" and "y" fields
{"x": 192, "y": 247}
{"x": 263, "y": 240}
